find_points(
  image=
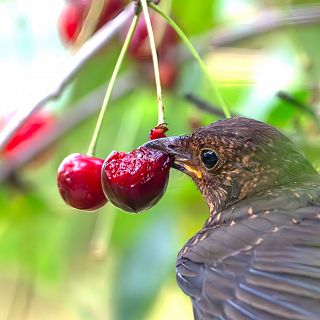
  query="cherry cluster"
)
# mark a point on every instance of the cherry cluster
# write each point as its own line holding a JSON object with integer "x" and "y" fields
{"x": 133, "y": 181}
{"x": 74, "y": 13}
{"x": 73, "y": 16}
{"x": 37, "y": 125}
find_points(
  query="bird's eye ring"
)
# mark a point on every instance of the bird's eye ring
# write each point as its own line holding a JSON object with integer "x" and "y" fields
{"x": 209, "y": 158}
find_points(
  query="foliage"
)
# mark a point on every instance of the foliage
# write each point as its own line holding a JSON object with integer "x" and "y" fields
{"x": 65, "y": 255}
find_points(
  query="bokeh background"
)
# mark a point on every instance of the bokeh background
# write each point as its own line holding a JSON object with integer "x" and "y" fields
{"x": 59, "y": 263}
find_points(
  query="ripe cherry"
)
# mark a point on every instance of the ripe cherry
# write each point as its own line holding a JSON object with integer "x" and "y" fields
{"x": 137, "y": 180}
{"x": 168, "y": 73}
{"x": 139, "y": 47}
{"x": 79, "y": 182}
{"x": 74, "y": 13}
{"x": 71, "y": 19}
{"x": 111, "y": 9}
{"x": 37, "y": 125}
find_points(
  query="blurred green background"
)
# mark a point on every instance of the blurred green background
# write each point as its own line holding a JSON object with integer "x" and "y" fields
{"x": 58, "y": 263}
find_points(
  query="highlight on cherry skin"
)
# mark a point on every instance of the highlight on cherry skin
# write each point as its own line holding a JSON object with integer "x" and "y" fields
{"x": 79, "y": 182}
{"x": 136, "y": 181}
{"x": 74, "y": 13}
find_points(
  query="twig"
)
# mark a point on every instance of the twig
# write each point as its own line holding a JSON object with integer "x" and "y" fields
{"x": 161, "y": 118}
{"x": 302, "y": 15}
{"x": 77, "y": 62}
{"x": 204, "y": 106}
{"x": 197, "y": 57}
{"x": 22, "y": 298}
{"x": 285, "y": 96}
{"x": 268, "y": 21}
{"x": 265, "y": 22}
{"x": 84, "y": 110}
{"x": 93, "y": 143}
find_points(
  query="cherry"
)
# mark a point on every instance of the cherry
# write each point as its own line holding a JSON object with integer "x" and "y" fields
{"x": 74, "y": 13}
{"x": 168, "y": 73}
{"x": 71, "y": 19}
{"x": 37, "y": 125}
{"x": 137, "y": 180}
{"x": 79, "y": 182}
{"x": 111, "y": 9}
{"x": 139, "y": 47}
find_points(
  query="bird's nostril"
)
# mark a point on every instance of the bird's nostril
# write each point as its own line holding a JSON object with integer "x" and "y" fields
{"x": 172, "y": 146}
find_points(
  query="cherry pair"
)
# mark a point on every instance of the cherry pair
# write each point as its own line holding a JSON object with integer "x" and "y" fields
{"x": 133, "y": 181}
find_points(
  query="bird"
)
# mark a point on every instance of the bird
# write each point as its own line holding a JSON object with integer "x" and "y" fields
{"x": 257, "y": 255}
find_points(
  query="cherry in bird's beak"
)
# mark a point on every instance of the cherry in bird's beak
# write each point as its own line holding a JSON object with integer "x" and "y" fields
{"x": 178, "y": 148}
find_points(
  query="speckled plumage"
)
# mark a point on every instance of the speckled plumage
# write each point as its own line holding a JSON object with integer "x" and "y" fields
{"x": 258, "y": 254}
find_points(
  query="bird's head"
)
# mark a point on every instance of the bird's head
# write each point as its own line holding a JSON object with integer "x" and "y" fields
{"x": 235, "y": 158}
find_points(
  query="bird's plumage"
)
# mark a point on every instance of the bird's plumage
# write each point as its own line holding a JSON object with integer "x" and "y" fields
{"x": 258, "y": 254}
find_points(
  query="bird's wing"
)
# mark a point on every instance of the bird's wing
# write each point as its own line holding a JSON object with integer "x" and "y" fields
{"x": 263, "y": 267}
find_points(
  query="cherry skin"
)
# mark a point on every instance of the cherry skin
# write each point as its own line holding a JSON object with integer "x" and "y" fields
{"x": 74, "y": 13}
{"x": 168, "y": 73}
{"x": 137, "y": 180}
{"x": 71, "y": 19}
{"x": 111, "y": 9}
{"x": 79, "y": 182}
{"x": 139, "y": 47}
{"x": 36, "y": 125}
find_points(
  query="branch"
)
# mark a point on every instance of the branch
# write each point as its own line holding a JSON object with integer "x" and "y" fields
{"x": 291, "y": 100}
{"x": 85, "y": 108}
{"x": 75, "y": 64}
{"x": 205, "y": 106}
{"x": 265, "y": 22}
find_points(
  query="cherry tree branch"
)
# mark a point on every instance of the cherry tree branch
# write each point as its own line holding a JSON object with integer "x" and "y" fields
{"x": 267, "y": 21}
{"x": 84, "y": 109}
{"x": 74, "y": 65}
{"x": 77, "y": 114}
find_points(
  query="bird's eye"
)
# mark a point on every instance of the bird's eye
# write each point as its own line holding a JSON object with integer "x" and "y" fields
{"x": 209, "y": 158}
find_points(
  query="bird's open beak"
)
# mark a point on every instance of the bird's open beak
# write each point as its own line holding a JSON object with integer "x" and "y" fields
{"x": 177, "y": 147}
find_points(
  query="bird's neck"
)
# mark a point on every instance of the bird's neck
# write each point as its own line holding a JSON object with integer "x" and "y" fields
{"x": 276, "y": 198}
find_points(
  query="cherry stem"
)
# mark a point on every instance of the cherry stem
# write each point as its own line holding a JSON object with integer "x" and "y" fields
{"x": 90, "y": 23}
{"x": 144, "y": 5}
{"x": 94, "y": 139}
{"x": 196, "y": 55}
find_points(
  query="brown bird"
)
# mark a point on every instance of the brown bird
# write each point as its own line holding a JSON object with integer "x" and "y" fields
{"x": 258, "y": 254}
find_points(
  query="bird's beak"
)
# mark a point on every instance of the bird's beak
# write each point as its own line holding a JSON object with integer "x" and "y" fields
{"x": 176, "y": 147}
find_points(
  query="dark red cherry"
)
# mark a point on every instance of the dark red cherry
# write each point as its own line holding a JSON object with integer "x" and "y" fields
{"x": 37, "y": 125}
{"x": 71, "y": 19}
{"x": 79, "y": 182}
{"x": 111, "y": 9}
{"x": 165, "y": 36}
{"x": 168, "y": 73}
{"x": 137, "y": 180}
{"x": 74, "y": 13}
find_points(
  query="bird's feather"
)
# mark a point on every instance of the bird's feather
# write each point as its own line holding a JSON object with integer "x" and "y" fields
{"x": 259, "y": 265}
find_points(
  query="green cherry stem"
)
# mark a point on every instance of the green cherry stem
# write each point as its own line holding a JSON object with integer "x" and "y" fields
{"x": 196, "y": 55}
{"x": 94, "y": 139}
{"x": 144, "y": 5}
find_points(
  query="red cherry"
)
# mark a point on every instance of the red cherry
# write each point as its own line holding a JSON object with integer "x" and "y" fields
{"x": 71, "y": 19}
{"x": 38, "y": 124}
{"x": 74, "y": 13}
{"x": 137, "y": 180}
{"x": 168, "y": 73}
{"x": 111, "y": 9}
{"x": 139, "y": 47}
{"x": 79, "y": 182}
